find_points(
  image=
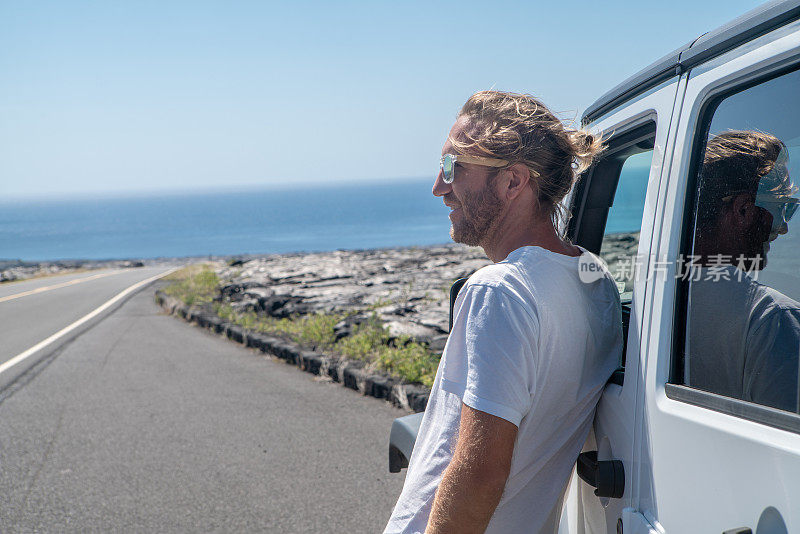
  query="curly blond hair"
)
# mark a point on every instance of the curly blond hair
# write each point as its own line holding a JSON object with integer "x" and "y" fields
{"x": 736, "y": 161}
{"x": 520, "y": 129}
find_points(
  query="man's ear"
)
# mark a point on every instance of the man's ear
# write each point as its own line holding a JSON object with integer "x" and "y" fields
{"x": 744, "y": 210}
{"x": 518, "y": 180}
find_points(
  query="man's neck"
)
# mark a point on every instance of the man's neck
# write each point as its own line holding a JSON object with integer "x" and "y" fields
{"x": 540, "y": 233}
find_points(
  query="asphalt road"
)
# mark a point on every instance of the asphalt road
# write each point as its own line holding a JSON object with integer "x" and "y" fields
{"x": 27, "y": 318}
{"x": 146, "y": 423}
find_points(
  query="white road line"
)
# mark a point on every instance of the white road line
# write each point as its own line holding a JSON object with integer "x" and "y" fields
{"x": 66, "y": 330}
{"x": 56, "y": 286}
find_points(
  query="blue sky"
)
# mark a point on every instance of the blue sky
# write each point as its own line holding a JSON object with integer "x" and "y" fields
{"x": 108, "y": 97}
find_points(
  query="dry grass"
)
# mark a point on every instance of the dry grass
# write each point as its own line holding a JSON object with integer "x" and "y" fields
{"x": 194, "y": 284}
{"x": 369, "y": 342}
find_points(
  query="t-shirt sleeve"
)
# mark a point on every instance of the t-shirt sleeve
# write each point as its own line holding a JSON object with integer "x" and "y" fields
{"x": 771, "y": 371}
{"x": 490, "y": 359}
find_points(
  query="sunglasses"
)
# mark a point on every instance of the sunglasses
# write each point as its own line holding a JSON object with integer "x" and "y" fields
{"x": 447, "y": 164}
{"x": 780, "y": 207}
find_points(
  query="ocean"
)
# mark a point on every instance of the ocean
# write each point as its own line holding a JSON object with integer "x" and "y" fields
{"x": 301, "y": 219}
{"x": 308, "y": 218}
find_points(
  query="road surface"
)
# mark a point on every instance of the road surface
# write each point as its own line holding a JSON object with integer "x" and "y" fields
{"x": 146, "y": 423}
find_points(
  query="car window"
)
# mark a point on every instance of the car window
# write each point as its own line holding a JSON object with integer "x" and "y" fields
{"x": 621, "y": 236}
{"x": 609, "y": 206}
{"x": 741, "y": 273}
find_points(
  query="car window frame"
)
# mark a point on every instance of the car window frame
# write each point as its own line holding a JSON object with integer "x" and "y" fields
{"x": 674, "y": 387}
{"x": 642, "y": 130}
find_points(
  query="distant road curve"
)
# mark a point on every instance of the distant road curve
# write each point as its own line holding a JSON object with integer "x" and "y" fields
{"x": 57, "y": 286}
{"x": 36, "y": 314}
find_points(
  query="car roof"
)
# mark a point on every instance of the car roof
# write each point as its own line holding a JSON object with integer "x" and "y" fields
{"x": 752, "y": 24}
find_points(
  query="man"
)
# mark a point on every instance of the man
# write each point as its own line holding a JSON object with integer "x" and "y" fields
{"x": 743, "y": 336}
{"x": 531, "y": 345}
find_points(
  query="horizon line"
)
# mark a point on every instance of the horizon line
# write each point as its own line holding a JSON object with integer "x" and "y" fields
{"x": 178, "y": 191}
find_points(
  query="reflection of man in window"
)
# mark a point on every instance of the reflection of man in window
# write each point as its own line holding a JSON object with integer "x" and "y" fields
{"x": 743, "y": 336}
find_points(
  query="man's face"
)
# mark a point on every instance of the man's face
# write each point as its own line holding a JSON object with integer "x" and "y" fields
{"x": 473, "y": 216}
{"x": 760, "y": 238}
{"x": 747, "y": 230}
{"x": 774, "y": 190}
{"x": 475, "y": 204}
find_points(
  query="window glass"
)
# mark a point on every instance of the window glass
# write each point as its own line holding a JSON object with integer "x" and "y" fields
{"x": 742, "y": 275}
{"x": 620, "y": 243}
{"x": 621, "y": 237}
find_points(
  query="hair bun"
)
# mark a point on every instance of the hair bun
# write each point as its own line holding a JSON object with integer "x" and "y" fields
{"x": 586, "y": 147}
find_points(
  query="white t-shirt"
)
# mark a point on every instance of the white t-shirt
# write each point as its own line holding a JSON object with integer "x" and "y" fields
{"x": 743, "y": 339}
{"x": 531, "y": 344}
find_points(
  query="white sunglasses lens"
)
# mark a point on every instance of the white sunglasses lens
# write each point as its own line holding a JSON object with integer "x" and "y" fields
{"x": 790, "y": 210}
{"x": 447, "y": 169}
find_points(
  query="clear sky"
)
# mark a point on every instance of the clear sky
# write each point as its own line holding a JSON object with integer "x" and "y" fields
{"x": 100, "y": 97}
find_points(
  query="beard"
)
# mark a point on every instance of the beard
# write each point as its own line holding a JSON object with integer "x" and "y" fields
{"x": 479, "y": 214}
{"x": 761, "y": 242}
{"x": 756, "y": 243}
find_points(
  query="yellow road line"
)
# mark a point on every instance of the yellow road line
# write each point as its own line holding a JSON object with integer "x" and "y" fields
{"x": 66, "y": 330}
{"x": 56, "y": 286}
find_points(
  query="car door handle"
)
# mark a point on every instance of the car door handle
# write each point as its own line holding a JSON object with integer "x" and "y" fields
{"x": 740, "y": 530}
{"x": 607, "y": 476}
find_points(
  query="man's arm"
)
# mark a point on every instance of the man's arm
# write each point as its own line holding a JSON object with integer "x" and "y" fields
{"x": 474, "y": 481}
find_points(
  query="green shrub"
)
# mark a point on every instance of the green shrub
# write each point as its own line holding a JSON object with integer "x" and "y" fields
{"x": 364, "y": 341}
{"x": 195, "y": 284}
{"x": 317, "y": 329}
{"x": 369, "y": 341}
{"x": 410, "y": 360}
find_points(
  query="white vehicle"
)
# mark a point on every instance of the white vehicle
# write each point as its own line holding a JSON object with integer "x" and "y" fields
{"x": 673, "y": 450}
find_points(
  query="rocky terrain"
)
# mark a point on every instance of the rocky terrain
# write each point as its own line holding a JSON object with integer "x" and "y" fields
{"x": 408, "y": 288}
{"x": 619, "y": 253}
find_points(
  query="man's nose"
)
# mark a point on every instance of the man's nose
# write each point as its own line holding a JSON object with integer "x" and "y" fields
{"x": 439, "y": 187}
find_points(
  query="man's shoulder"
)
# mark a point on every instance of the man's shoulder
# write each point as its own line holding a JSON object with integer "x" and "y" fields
{"x": 771, "y": 309}
{"x": 520, "y": 273}
{"x": 503, "y": 281}
{"x": 777, "y": 299}
{"x": 494, "y": 275}
{"x": 502, "y": 276}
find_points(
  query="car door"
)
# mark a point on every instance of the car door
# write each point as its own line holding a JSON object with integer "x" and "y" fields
{"x": 614, "y": 206}
{"x": 719, "y": 448}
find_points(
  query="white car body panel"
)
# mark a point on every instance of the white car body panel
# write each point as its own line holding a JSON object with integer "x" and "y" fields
{"x": 613, "y": 434}
{"x": 702, "y": 470}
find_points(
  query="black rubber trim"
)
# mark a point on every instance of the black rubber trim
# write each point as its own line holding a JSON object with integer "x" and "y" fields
{"x": 735, "y": 407}
{"x": 649, "y": 77}
{"x": 749, "y": 26}
{"x": 454, "y": 290}
{"x": 753, "y": 24}
{"x": 594, "y": 193}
